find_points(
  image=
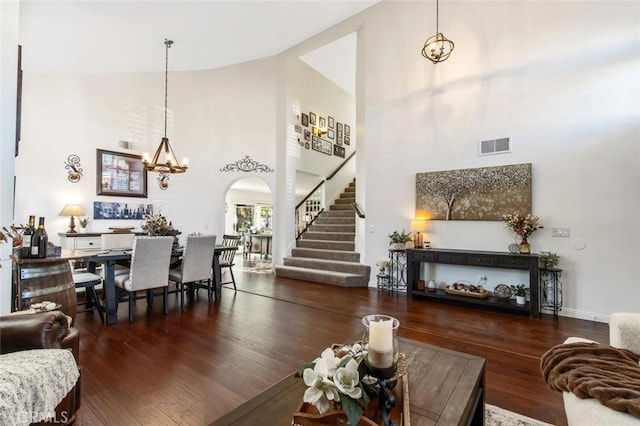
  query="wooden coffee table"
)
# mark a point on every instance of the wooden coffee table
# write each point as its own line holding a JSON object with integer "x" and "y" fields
{"x": 445, "y": 388}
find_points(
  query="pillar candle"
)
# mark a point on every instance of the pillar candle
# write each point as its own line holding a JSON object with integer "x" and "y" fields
{"x": 381, "y": 336}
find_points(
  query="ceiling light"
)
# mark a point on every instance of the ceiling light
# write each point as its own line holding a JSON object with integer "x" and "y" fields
{"x": 437, "y": 48}
{"x": 169, "y": 165}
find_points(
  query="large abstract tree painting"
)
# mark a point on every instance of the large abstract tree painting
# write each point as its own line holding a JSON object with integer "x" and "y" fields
{"x": 484, "y": 193}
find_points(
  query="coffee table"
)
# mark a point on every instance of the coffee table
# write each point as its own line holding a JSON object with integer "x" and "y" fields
{"x": 445, "y": 388}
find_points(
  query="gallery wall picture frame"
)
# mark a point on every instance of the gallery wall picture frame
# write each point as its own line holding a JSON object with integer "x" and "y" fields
{"x": 331, "y": 134}
{"x": 321, "y": 145}
{"x": 306, "y": 145}
{"x": 323, "y": 122}
{"x": 312, "y": 118}
{"x": 338, "y": 151}
{"x": 347, "y": 130}
{"x": 339, "y": 128}
{"x": 331, "y": 122}
{"x": 339, "y": 140}
{"x": 347, "y": 140}
{"x": 305, "y": 120}
{"x": 307, "y": 134}
{"x": 120, "y": 174}
{"x": 298, "y": 128}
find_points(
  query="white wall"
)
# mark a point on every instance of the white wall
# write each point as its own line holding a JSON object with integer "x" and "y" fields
{"x": 212, "y": 122}
{"x": 561, "y": 78}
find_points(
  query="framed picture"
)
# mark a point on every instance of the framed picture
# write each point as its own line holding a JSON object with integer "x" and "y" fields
{"x": 339, "y": 128}
{"x": 347, "y": 130}
{"x": 127, "y": 211}
{"x": 120, "y": 174}
{"x": 307, "y": 135}
{"x": 330, "y": 134}
{"x": 305, "y": 120}
{"x": 323, "y": 122}
{"x": 321, "y": 145}
{"x": 298, "y": 128}
{"x": 331, "y": 122}
{"x": 306, "y": 145}
{"x": 339, "y": 140}
{"x": 338, "y": 151}
{"x": 312, "y": 118}
{"x": 347, "y": 140}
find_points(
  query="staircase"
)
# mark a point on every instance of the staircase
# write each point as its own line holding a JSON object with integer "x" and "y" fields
{"x": 325, "y": 252}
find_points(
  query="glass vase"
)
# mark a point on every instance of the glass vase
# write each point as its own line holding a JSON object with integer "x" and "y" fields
{"x": 381, "y": 341}
{"x": 524, "y": 246}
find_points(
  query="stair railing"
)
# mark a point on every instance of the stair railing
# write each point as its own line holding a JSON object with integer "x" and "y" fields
{"x": 356, "y": 208}
{"x": 312, "y": 205}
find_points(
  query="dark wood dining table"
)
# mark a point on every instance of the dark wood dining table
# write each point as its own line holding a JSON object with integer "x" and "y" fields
{"x": 109, "y": 259}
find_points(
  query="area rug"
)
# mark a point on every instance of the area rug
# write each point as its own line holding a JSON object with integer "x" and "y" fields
{"x": 496, "y": 416}
{"x": 257, "y": 267}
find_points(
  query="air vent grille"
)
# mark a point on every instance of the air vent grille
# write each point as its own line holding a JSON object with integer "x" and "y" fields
{"x": 495, "y": 146}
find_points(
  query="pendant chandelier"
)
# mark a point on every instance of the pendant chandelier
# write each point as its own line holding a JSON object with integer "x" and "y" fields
{"x": 437, "y": 48}
{"x": 169, "y": 164}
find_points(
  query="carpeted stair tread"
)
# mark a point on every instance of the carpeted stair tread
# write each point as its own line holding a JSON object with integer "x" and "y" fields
{"x": 330, "y": 236}
{"x": 343, "y": 255}
{"x": 325, "y": 277}
{"x": 327, "y": 244}
{"x": 328, "y": 265}
{"x": 332, "y": 227}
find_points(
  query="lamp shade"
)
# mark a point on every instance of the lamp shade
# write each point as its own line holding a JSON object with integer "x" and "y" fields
{"x": 72, "y": 210}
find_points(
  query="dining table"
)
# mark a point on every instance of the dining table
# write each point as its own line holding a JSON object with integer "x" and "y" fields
{"x": 110, "y": 258}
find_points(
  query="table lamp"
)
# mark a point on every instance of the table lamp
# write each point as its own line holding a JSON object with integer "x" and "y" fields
{"x": 72, "y": 210}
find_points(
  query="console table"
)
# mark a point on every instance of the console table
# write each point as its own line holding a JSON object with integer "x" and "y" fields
{"x": 486, "y": 259}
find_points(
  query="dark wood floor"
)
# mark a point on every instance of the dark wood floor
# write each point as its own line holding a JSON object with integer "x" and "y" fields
{"x": 191, "y": 367}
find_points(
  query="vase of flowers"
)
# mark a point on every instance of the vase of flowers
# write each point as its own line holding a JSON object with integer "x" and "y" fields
{"x": 383, "y": 266}
{"x": 523, "y": 226}
{"x": 156, "y": 225}
{"x": 84, "y": 222}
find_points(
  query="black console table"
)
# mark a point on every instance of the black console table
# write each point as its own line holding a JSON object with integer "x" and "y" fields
{"x": 486, "y": 259}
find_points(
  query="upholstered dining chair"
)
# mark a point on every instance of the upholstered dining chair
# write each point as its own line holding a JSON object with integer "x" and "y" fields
{"x": 118, "y": 241}
{"x": 227, "y": 257}
{"x": 149, "y": 270}
{"x": 196, "y": 265}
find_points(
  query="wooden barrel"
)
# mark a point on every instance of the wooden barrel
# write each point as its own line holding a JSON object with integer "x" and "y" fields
{"x": 49, "y": 280}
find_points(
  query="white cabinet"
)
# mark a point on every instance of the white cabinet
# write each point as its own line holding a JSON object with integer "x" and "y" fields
{"x": 84, "y": 242}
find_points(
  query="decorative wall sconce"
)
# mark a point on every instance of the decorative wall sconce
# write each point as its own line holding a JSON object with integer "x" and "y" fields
{"x": 437, "y": 48}
{"x": 73, "y": 166}
{"x": 163, "y": 181}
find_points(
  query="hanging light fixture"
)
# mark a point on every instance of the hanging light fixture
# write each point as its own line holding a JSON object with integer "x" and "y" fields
{"x": 437, "y": 48}
{"x": 170, "y": 164}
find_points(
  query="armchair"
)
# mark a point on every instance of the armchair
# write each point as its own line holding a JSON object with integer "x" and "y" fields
{"x": 624, "y": 333}
{"x": 46, "y": 330}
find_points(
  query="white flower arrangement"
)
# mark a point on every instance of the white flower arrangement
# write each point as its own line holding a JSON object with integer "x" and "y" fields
{"x": 334, "y": 380}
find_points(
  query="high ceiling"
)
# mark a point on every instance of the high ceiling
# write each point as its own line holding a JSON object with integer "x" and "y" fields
{"x": 108, "y": 36}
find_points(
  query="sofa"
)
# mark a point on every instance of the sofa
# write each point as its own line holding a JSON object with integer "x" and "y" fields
{"x": 25, "y": 337}
{"x": 624, "y": 333}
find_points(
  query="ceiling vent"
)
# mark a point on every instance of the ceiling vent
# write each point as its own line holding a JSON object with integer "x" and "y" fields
{"x": 495, "y": 146}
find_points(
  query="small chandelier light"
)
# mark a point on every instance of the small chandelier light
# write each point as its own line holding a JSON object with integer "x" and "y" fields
{"x": 437, "y": 48}
{"x": 170, "y": 165}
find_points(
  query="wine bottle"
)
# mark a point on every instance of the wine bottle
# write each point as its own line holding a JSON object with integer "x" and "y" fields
{"x": 39, "y": 241}
{"x": 26, "y": 237}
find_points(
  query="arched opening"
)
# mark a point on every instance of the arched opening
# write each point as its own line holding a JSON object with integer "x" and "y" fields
{"x": 249, "y": 213}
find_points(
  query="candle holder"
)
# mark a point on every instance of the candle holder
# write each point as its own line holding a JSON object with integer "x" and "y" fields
{"x": 380, "y": 341}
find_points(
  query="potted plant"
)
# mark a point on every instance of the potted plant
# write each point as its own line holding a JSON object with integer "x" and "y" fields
{"x": 399, "y": 239}
{"x": 84, "y": 221}
{"x": 521, "y": 292}
{"x": 549, "y": 259}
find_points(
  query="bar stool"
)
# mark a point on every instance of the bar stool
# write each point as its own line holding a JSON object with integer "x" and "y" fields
{"x": 88, "y": 282}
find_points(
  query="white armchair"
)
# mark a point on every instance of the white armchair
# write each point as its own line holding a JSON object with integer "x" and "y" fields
{"x": 624, "y": 332}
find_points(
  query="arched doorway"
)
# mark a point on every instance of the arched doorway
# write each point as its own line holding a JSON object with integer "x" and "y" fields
{"x": 249, "y": 213}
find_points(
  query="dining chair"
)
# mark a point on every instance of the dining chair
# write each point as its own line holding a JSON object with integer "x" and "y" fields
{"x": 196, "y": 265}
{"x": 88, "y": 282}
{"x": 149, "y": 270}
{"x": 118, "y": 241}
{"x": 228, "y": 257}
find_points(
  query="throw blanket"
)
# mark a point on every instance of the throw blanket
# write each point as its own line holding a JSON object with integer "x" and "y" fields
{"x": 32, "y": 384}
{"x": 591, "y": 370}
